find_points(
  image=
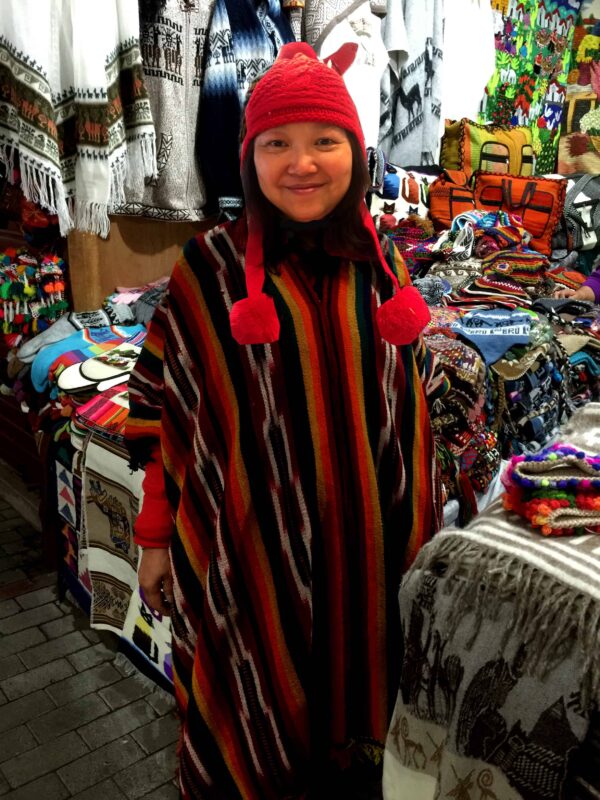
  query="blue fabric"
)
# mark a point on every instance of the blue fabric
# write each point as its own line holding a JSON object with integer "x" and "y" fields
{"x": 494, "y": 332}
{"x": 243, "y": 39}
{"x": 391, "y": 186}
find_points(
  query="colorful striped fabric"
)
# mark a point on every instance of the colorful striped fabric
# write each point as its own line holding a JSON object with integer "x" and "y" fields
{"x": 301, "y": 477}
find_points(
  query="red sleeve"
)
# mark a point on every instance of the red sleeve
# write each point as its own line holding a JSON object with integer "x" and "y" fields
{"x": 154, "y": 524}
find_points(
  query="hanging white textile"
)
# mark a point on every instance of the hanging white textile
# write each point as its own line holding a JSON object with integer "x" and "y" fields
{"x": 74, "y": 112}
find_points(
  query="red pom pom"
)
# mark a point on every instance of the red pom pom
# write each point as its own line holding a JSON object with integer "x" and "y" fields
{"x": 401, "y": 319}
{"x": 254, "y": 320}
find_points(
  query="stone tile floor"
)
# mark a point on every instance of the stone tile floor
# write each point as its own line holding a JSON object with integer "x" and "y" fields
{"x": 75, "y": 719}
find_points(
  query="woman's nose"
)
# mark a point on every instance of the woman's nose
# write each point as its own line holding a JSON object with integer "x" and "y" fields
{"x": 301, "y": 162}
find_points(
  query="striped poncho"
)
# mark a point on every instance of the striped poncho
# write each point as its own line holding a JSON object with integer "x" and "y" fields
{"x": 300, "y": 476}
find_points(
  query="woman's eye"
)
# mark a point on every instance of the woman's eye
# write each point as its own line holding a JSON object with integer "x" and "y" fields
{"x": 325, "y": 141}
{"x": 276, "y": 143}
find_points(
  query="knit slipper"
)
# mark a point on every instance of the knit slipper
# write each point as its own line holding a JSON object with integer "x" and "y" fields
{"x": 118, "y": 361}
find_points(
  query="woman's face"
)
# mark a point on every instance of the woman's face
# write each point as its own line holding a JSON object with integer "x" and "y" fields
{"x": 304, "y": 168}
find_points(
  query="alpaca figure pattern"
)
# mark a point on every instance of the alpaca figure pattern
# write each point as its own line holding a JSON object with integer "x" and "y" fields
{"x": 460, "y": 715}
{"x": 412, "y": 101}
{"x": 114, "y": 511}
{"x": 411, "y": 89}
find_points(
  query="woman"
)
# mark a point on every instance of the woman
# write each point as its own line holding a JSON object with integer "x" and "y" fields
{"x": 589, "y": 289}
{"x": 292, "y": 478}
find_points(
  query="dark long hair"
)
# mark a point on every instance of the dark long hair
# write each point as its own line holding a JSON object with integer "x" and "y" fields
{"x": 344, "y": 233}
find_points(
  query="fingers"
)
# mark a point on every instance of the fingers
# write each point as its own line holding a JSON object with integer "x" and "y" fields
{"x": 156, "y": 600}
{"x": 154, "y": 575}
{"x": 167, "y": 587}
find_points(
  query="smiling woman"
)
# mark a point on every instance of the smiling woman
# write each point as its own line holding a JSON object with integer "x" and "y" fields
{"x": 285, "y": 383}
{"x": 304, "y": 168}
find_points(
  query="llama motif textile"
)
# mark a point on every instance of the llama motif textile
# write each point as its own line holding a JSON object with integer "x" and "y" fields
{"x": 363, "y": 76}
{"x": 411, "y": 86}
{"x": 172, "y": 44}
{"x": 74, "y": 113}
{"x": 501, "y": 667}
{"x": 243, "y": 40}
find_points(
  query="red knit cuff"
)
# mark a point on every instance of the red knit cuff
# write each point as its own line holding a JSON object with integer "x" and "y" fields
{"x": 154, "y": 524}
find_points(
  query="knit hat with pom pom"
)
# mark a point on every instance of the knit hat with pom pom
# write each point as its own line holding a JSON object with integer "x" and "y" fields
{"x": 301, "y": 88}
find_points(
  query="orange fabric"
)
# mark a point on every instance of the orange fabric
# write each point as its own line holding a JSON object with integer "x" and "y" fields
{"x": 154, "y": 524}
{"x": 538, "y": 201}
{"x": 449, "y": 195}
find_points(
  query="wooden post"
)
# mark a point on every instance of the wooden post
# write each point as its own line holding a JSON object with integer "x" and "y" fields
{"x": 136, "y": 251}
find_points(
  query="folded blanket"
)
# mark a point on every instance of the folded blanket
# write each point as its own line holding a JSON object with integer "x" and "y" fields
{"x": 501, "y": 664}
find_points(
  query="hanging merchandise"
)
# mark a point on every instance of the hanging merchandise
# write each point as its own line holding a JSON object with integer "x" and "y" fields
{"x": 32, "y": 294}
{"x": 74, "y": 109}
{"x": 492, "y": 148}
{"x": 411, "y": 86}
{"x": 172, "y": 45}
{"x": 322, "y": 16}
{"x": 363, "y": 76}
{"x": 295, "y": 13}
{"x": 243, "y": 40}
{"x": 579, "y": 145}
{"x": 533, "y": 43}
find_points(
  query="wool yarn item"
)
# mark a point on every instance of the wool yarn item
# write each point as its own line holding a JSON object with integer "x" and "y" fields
{"x": 557, "y": 490}
{"x": 301, "y": 88}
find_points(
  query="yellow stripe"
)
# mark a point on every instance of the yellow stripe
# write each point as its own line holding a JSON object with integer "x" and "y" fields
{"x": 312, "y": 390}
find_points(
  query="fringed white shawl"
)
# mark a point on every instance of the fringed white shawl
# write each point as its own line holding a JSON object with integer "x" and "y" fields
{"x": 73, "y": 106}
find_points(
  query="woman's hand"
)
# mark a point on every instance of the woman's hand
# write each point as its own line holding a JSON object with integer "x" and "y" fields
{"x": 583, "y": 293}
{"x": 155, "y": 578}
{"x": 560, "y": 293}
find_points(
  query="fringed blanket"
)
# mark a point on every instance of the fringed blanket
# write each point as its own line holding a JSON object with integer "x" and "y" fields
{"x": 501, "y": 663}
{"x": 74, "y": 113}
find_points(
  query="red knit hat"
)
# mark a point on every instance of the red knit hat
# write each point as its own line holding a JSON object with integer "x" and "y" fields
{"x": 300, "y": 88}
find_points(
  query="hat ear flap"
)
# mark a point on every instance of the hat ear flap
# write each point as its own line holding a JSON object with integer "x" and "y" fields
{"x": 293, "y": 49}
{"x": 343, "y": 58}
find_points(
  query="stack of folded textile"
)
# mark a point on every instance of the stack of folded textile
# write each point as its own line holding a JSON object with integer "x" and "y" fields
{"x": 524, "y": 266}
{"x": 556, "y": 490}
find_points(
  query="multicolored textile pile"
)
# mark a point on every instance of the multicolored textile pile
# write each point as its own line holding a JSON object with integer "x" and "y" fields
{"x": 557, "y": 490}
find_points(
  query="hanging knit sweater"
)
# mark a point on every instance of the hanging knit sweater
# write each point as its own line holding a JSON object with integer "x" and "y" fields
{"x": 172, "y": 45}
{"x": 300, "y": 476}
{"x": 243, "y": 40}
